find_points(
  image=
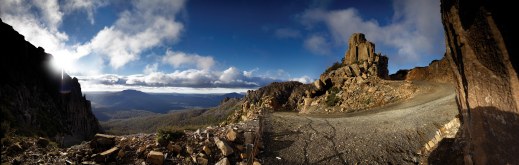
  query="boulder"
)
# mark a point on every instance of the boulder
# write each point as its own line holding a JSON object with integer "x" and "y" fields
{"x": 356, "y": 70}
{"x": 103, "y": 141}
{"x": 155, "y": 158}
{"x": 348, "y": 71}
{"x": 224, "y": 147}
{"x": 318, "y": 84}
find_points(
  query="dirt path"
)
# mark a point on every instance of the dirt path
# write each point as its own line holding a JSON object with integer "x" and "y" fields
{"x": 389, "y": 135}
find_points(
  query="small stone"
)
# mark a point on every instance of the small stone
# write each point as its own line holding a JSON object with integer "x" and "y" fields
{"x": 240, "y": 147}
{"x": 155, "y": 157}
{"x": 202, "y": 161}
{"x": 141, "y": 150}
{"x": 189, "y": 150}
{"x": 207, "y": 150}
{"x": 174, "y": 148}
{"x": 243, "y": 155}
{"x": 121, "y": 154}
{"x": 223, "y": 161}
{"x": 231, "y": 135}
{"x": 42, "y": 142}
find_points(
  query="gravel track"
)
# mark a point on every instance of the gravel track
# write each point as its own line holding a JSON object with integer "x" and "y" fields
{"x": 392, "y": 134}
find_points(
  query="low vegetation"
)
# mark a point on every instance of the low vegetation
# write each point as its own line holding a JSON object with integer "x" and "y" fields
{"x": 332, "y": 99}
{"x": 179, "y": 120}
{"x": 165, "y": 135}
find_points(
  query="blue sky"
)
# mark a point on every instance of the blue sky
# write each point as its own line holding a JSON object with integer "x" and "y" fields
{"x": 198, "y": 46}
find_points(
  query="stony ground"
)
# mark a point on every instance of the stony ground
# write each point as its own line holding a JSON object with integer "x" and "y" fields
{"x": 212, "y": 145}
{"x": 393, "y": 134}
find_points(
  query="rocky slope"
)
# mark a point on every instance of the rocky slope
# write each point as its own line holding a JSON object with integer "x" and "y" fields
{"x": 357, "y": 83}
{"x": 36, "y": 101}
{"x": 277, "y": 96}
{"x": 480, "y": 37}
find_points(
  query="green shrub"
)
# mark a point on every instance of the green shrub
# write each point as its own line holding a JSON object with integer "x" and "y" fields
{"x": 332, "y": 99}
{"x": 165, "y": 135}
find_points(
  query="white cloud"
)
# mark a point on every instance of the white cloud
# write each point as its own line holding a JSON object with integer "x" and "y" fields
{"x": 147, "y": 25}
{"x": 178, "y": 59}
{"x": 51, "y": 13}
{"x": 250, "y": 72}
{"x": 317, "y": 44}
{"x": 151, "y": 68}
{"x": 415, "y": 30}
{"x": 287, "y": 33}
{"x": 89, "y": 6}
{"x": 232, "y": 77}
{"x": 303, "y": 79}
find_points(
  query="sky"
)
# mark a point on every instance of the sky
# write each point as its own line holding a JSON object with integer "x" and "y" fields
{"x": 205, "y": 46}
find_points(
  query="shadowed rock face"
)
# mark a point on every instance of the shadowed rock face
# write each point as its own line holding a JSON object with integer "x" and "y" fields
{"x": 483, "y": 58}
{"x": 34, "y": 100}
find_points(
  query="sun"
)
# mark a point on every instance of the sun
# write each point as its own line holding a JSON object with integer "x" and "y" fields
{"x": 62, "y": 63}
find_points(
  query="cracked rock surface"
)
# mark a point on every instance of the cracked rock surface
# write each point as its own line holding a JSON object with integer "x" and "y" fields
{"x": 392, "y": 134}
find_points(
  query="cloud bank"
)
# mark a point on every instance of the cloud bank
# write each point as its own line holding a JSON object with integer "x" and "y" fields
{"x": 229, "y": 78}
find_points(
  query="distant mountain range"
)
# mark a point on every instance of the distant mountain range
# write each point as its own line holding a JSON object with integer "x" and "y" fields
{"x": 134, "y": 103}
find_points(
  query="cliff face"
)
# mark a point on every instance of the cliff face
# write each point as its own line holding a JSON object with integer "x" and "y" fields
{"x": 34, "y": 100}
{"x": 482, "y": 55}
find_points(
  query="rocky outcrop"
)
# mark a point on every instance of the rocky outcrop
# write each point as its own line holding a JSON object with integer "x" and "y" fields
{"x": 437, "y": 71}
{"x": 361, "y": 51}
{"x": 36, "y": 101}
{"x": 355, "y": 84}
{"x": 479, "y": 37}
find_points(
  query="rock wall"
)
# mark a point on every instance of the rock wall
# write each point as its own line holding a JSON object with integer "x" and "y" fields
{"x": 437, "y": 71}
{"x": 34, "y": 100}
{"x": 479, "y": 37}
